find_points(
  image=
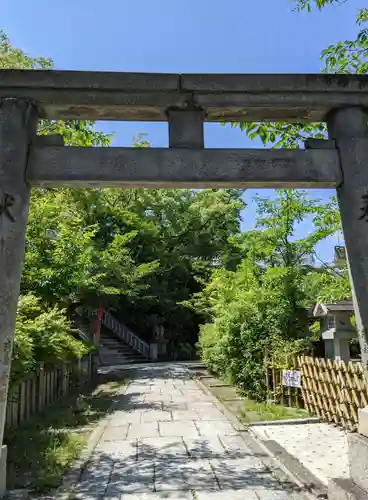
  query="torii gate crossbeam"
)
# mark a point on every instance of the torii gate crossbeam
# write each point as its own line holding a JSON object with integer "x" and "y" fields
{"x": 185, "y": 102}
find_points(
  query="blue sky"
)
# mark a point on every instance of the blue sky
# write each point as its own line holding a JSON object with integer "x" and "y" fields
{"x": 206, "y": 36}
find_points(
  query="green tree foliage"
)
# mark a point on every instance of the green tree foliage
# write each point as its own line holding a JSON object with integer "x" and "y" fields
{"x": 349, "y": 56}
{"x": 69, "y": 254}
{"x": 42, "y": 334}
{"x": 319, "y": 4}
{"x": 140, "y": 251}
{"x": 261, "y": 305}
{"x": 328, "y": 285}
{"x": 179, "y": 235}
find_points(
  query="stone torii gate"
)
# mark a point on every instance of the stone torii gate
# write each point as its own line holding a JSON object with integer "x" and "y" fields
{"x": 185, "y": 102}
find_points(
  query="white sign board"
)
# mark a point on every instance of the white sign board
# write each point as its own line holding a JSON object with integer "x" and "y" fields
{"x": 291, "y": 378}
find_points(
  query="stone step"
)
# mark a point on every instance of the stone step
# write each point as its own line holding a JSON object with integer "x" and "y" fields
{"x": 117, "y": 348}
{"x": 118, "y": 362}
{"x": 119, "y": 351}
{"x": 114, "y": 351}
{"x": 121, "y": 357}
{"x": 114, "y": 344}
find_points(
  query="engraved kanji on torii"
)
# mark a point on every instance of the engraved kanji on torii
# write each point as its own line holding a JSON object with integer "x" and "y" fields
{"x": 185, "y": 102}
{"x": 6, "y": 202}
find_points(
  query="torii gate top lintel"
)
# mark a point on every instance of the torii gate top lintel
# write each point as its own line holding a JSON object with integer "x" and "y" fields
{"x": 97, "y": 95}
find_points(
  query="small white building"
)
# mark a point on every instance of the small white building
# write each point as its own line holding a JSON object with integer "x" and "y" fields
{"x": 336, "y": 328}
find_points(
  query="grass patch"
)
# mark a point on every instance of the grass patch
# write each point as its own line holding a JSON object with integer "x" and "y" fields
{"x": 246, "y": 409}
{"x": 41, "y": 451}
{"x": 253, "y": 411}
{"x": 225, "y": 393}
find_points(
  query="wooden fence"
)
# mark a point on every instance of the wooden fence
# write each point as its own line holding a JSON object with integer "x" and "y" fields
{"x": 44, "y": 387}
{"x": 330, "y": 390}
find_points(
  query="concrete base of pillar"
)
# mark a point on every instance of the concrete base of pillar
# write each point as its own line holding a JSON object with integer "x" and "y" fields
{"x": 358, "y": 460}
{"x": 356, "y": 487}
{"x": 363, "y": 421}
{"x": 345, "y": 489}
{"x": 3, "y": 455}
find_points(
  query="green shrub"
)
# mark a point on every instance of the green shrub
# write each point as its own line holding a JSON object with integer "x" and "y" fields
{"x": 42, "y": 334}
{"x": 249, "y": 315}
{"x": 211, "y": 349}
{"x": 232, "y": 346}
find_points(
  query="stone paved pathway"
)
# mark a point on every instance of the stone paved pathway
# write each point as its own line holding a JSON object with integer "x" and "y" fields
{"x": 168, "y": 440}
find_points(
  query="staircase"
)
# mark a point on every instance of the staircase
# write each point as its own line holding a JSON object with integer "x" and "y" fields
{"x": 118, "y": 344}
{"x": 114, "y": 351}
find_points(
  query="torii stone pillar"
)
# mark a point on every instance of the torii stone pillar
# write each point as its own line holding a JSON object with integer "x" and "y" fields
{"x": 349, "y": 128}
{"x": 18, "y": 121}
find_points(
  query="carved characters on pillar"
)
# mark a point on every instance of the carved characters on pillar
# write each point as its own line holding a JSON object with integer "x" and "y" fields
{"x": 4, "y": 371}
{"x": 7, "y": 201}
{"x": 364, "y": 207}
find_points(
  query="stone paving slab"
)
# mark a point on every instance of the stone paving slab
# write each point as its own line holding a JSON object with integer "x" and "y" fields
{"x": 97, "y": 474}
{"x": 184, "y": 475}
{"x": 115, "y": 433}
{"x": 230, "y": 466}
{"x": 240, "y": 473}
{"x": 268, "y": 494}
{"x": 180, "y": 429}
{"x": 204, "y": 447}
{"x": 168, "y": 439}
{"x": 174, "y": 406}
{"x": 160, "y": 495}
{"x": 241, "y": 495}
{"x": 89, "y": 488}
{"x": 149, "y": 429}
{"x": 190, "y": 384}
{"x": 215, "y": 428}
{"x": 92, "y": 496}
{"x": 162, "y": 448}
{"x": 227, "y": 495}
{"x": 185, "y": 415}
{"x": 131, "y": 477}
{"x": 156, "y": 416}
{"x": 155, "y": 397}
{"x": 196, "y": 397}
{"x": 109, "y": 451}
{"x": 210, "y": 414}
{"x": 138, "y": 389}
{"x": 200, "y": 405}
{"x": 235, "y": 446}
{"x": 121, "y": 417}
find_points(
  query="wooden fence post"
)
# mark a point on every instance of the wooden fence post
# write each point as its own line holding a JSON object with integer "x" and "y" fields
{"x": 65, "y": 382}
{"x": 266, "y": 373}
{"x": 80, "y": 371}
{"x": 34, "y": 394}
{"x": 41, "y": 387}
